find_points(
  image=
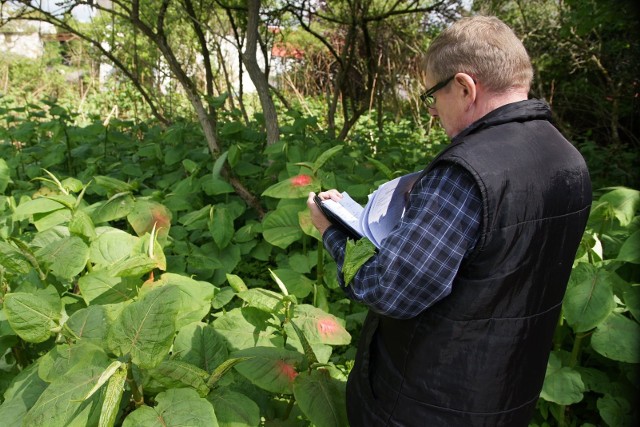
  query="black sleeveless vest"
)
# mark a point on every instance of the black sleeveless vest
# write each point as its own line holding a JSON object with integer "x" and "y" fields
{"x": 478, "y": 357}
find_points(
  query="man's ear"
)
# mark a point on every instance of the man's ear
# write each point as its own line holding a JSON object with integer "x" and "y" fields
{"x": 468, "y": 87}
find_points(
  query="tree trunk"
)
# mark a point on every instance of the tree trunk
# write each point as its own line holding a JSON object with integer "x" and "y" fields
{"x": 258, "y": 78}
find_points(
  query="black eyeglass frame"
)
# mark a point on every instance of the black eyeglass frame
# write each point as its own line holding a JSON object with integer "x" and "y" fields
{"x": 427, "y": 96}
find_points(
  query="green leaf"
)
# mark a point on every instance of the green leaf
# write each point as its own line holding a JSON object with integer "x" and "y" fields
{"x": 146, "y": 214}
{"x": 111, "y": 246}
{"x": 66, "y": 257}
{"x": 221, "y": 226}
{"x": 630, "y": 250}
{"x": 272, "y": 369}
{"x": 236, "y": 283}
{"x": 117, "y": 207}
{"x": 382, "y": 168}
{"x": 215, "y": 187}
{"x": 324, "y": 157}
{"x": 281, "y": 227}
{"x": 631, "y": 297}
{"x": 247, "y": 327}
{"x": 589, "y": 298}
{"x": 319, "y": 327}
{"x": 262, "y": 299}
{"x": 234, "y": 409}
{"x": 31, "y": 316}
{"x": 295, "y": 187}
{"x": 625, "y": 203}
{"x": 195, "y": 298}
{"x": 615, "y": 410}
{"x": 562, "y": 385}
{"x": 145, "y": 328}
{"x": 36, "y": 206}
{"x": 62, "y": 404}
{"x": 617, "y": 338}
{"x": 321, "y": 398}
{"x": 297, "y": 284}
{"x": 100, "y": 287}
{"x": 112, "y": 185}
{"x": 13, "y": 260}
{"x": 201, "y": 345}
{"x": 356, "y": 254}
{"x": 21, "y": 395}
{"x": 175, "y": 408}
{"x": 5, "y": 175}
{"x": 82, "y": 225}
{"x": 218, "y": 164}
{"x": 112, "y": 398}
{"x": 88, "y": 323}
{"x": 184, "y": 373}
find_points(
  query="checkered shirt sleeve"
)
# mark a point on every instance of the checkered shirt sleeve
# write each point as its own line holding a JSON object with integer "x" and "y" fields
{"x": 417, "y": 262}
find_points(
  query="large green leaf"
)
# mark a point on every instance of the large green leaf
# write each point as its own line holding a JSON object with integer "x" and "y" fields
{"x": 61, "y": 358}
{"x": 133, "y": 266}
{"x": 5, "y": 175}
{"x": 175, "y": 408}
{"x": 281, "y": 227}
{"x": 176, "y": 373}
{"x": 247, "y": 327}
{"x": 21, "y": 395}
{"x": 201, "y": 345}
{"x": 562, "y": 384}
{"x": 321, "y": 398}
{"x": 33, "y": 317}
{"x": 100, "y": 287}
{"x": 112, "y": 397}
{"x": 356, "y": 254}
{"x": 262, "y": 299}
{"x": 630, "y": 250}
{"x": 66, "y": 257}
{"x": 88, "y": 323}
{"x": 615, "y": 410}
{"x": 589, "y": 298}
{"x": 145, "y": 328}
{"x": 234, "y": 409}
{"x": 41, "y": 205}
{"x": 270, "y": 368}
{"x": 111, "y": 246}
{"x": 625, "y": 203}
{"x": 617, "y": 338}
{"x": 115, "y": 208}
{"x": 295, "y": 187}
{"x": 297, "y": 284}
{"x": 13, "y": 260}
{"x": 195, "y": 297}
{"x": 63, "y": 404}
{"x": 221, "y": 226}
{"x": 318, "y": 326}
{"x": 82, "y": 225}
{"x": 147, "y": 214}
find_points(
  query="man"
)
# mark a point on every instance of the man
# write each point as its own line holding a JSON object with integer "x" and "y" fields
{"x": 465, "y": 293}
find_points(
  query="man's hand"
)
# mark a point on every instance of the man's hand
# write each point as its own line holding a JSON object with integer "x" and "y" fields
{"x": 317, "y": 217}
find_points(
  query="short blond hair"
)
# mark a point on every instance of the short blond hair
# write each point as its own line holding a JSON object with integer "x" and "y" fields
{"x": 483, "y": 47}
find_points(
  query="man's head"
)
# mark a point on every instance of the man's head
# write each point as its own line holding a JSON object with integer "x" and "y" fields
{"x": 477, "y": 64}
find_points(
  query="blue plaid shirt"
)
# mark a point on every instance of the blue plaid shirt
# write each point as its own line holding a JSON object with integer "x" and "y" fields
{"x": 418, "y": 261}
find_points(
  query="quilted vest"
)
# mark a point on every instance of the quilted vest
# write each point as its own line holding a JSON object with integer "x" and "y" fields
{"x": 478, "y": 357}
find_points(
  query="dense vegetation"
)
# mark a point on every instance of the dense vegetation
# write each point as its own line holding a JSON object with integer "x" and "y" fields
{"x": 146, "y": 274}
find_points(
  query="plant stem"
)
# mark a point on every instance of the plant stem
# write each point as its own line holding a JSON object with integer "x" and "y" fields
{"x": 319, "y": 273}
{"x": 138, "y": 397}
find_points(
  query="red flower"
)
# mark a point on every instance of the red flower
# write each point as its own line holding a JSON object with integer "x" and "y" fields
{"x": 301, "y": 180}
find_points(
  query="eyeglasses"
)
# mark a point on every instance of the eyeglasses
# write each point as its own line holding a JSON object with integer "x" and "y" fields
{"x": 427, "y": 97}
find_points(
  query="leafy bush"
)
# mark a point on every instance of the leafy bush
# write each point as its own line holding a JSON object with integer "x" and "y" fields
{"x": 136, "y": 284}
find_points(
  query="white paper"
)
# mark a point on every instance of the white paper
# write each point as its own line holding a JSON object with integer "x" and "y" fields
{"x": 381, "y": 214}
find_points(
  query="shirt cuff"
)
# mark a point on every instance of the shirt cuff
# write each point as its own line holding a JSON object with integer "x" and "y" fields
{"x": 334, "y": 241}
